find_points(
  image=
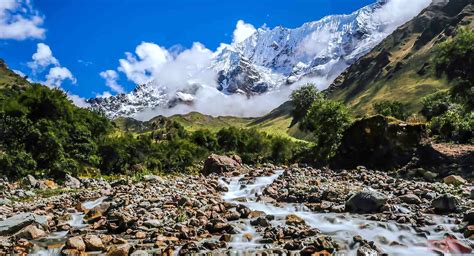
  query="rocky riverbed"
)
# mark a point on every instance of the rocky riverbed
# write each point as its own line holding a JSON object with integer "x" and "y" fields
{"x": 268, "y": 210}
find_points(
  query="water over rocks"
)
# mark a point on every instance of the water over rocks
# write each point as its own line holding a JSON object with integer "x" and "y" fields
{"x": 262, "y": 210}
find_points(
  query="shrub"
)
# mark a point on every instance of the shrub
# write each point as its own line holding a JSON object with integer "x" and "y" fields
{"x": 436, "y": 104}
{"x": 327, "y": 120}
{"x": 391, "y": 108}
{"x": 454, "y": 125}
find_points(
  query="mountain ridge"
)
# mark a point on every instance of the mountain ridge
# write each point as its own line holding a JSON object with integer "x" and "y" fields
{"x": 270, "y": 59}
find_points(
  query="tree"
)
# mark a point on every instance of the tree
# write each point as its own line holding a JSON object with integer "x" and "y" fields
{"x": 302, "y": 100}
{"x": 327, "y": 120}
{"x": 391, "y": 108}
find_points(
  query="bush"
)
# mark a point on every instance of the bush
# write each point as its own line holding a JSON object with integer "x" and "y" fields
{"x": 302, "y": 100}
{"x": 327, "y": 120}
{"x": 454, "y": 125}
{"x": 391, "y": 108}
{"x": 436, "y": 104}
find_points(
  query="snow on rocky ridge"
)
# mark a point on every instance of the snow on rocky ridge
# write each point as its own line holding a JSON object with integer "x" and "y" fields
{"x": 271, "y": 59}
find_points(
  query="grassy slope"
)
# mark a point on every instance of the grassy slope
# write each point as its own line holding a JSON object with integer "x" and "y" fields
{"x": 401, "y": 68}
{"x": 9, "y": 79}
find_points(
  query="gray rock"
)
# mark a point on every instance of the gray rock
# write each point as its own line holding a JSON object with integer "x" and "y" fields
{"x": 31, "y": 181}
{"x": 5, "y": 201}
{"x": 366, "y": 201}
{"x": 72, "y": 182}
{"x": 472, "y": 194}
{"x": 19, "y": 221}
{"x": 152, "y": 223}
{"x": 445, "y": 204}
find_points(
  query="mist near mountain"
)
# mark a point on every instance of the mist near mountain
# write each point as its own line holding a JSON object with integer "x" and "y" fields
{"x": 257, "y": 71}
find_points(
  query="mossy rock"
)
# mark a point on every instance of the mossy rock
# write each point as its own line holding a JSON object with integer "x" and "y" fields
{"x": 379, "y": 142}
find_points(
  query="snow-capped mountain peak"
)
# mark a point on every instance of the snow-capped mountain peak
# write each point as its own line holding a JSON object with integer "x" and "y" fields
{"x": 271, "y": 58}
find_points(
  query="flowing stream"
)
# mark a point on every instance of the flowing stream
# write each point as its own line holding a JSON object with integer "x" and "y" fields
{"x": 55, "y": 241}
{"x": 342, "y": 227}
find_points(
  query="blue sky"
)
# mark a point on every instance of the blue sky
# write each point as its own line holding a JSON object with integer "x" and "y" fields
{"x": 87, "y": 37}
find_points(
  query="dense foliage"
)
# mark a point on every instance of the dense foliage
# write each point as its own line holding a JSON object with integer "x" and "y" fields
{"x": 391, "y": 108}
{"x": 43, "y": 133}
{"x": 455, "y": 59}
{"x": 302, "y": 99}
{"x": 450, "y": 113}
{"x": 325, "y": 119}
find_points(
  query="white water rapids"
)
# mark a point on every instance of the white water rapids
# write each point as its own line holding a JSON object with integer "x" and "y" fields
{"x": 76, "y": 221}
{"x": 342, "y": 227}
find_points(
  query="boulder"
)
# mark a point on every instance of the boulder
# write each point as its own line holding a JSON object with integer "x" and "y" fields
{"x": 378, "y": 142}
{"x": 469, "y": 217}
{"x": 47, "y": 184}
{"x": 367, "y": 201}
{"x": 17, "y": 222}
{"x": 454, "y": 180}
{"x": 119, "y": 250}
{"x": 98, "y": 211}
{"x": 30, "y": 181}
{"x": 219, "y": 164}
{"x": 72, "y": 182}
{"x": 30, "y": 232}
{"x": 410, "y": 199}
{"x": 76, "y": 243}
{"x": 445, "y": 204}
{"x": 93, "y": 243}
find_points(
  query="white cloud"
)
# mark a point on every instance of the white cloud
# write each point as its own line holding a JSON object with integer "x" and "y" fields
{"x": 18, "y": 72}
{"x": 78, "y": 100}
{"x": 396, "y": 12}
{"x": 57, "y": 75}
{"x": 104, "y": 94}
{"x": 144, "y": 66}
{"x": 111, "y": 78}
{"x": 19, "y": 21}
{"x": 243, "y": 31}
{"x": 42, "y": 58}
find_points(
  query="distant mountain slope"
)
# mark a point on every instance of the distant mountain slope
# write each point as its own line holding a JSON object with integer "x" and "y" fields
{"x": 401, "y": 67}
{"x": 9, "y": 79}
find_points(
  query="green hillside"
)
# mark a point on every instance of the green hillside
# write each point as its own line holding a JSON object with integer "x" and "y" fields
{"x": 401, "y": 67}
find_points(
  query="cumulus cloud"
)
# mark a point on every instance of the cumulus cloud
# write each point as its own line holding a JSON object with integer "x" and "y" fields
{"x": 111, "y": 78}
{"x": 42, "y": 58}
{"x": 57, "y": 75}
{"x": 19, "y": 20}
{"x": 144, "y": 66}
{"x": 242, "y": 31}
